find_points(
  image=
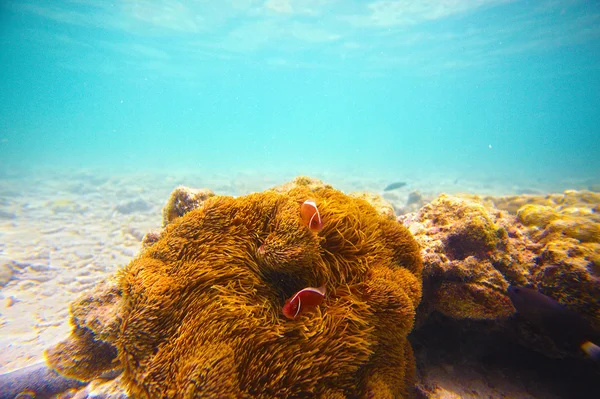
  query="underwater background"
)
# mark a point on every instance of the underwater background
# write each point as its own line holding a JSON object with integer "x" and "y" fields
{"x": 484, "y": 89}
{"x": 473, "y": 123}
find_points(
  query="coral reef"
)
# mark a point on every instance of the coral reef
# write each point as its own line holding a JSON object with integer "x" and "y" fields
{"x": 199, "y": 311}
{"x": 567, "y": 226}
{"x": 473, "y": 248}
{"x": 467, "y": 256}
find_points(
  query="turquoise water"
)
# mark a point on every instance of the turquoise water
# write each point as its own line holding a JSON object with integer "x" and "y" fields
{"x": 490, "y": 88}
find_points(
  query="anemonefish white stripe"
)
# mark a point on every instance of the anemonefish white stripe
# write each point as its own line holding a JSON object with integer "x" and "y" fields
{"x": 311, "y": 203}
{"x": 298, "y": 309}
{"x": 313, "y": 216}
{"x": 320, "y": 291}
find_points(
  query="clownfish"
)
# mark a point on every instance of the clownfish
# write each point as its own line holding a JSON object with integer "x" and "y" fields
{"x": 310, "y": 215}
{"x": 564, "y": 326}
{"x": 303, "y": 301}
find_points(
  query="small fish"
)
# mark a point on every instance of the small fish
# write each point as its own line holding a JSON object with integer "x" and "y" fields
{"x": 564, "y": 326}
{"x": 310, "y": 215}
{"x": 303, "y": 301}
{"x": 393, "y": 186}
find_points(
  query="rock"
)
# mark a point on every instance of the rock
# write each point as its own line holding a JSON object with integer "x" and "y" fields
{"x": 415, "y": 201}
{"x": 468, "y": 259}
{"x": 66, "y": 206}
{"x": 6, "y": 273}
{"x": 135, "y": 233}
{"x": 595, "y": 187}
{"x": 35, "y": 381}
{"x": 183, "y": 200}
{"x": 472, "y": 251}
{"x": 129, "y": 207}
{"x": 6, "y": 215}
{"x": 414, "y": 197}
{"x": 150, "y": 238}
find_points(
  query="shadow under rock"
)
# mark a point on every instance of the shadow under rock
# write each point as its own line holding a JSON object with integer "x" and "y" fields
{"x": 489, "y": 350}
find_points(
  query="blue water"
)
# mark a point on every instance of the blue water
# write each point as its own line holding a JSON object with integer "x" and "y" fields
{"x": 500, "y": 88}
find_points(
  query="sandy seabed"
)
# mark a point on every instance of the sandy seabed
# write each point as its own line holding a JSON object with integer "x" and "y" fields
{"x": 62, "y": 233}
